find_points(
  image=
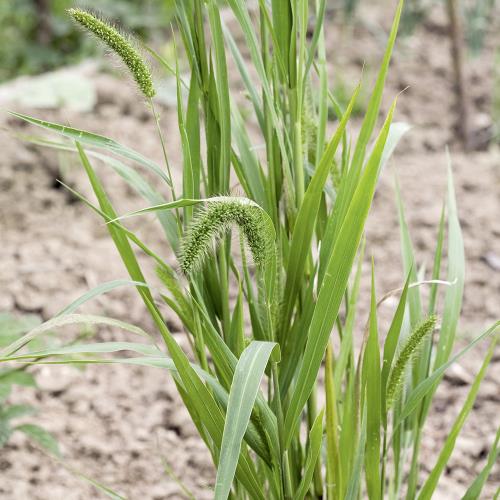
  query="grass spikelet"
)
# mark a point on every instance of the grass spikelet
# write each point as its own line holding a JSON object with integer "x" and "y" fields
{"x": 215, "y": 220}
{"x": 407, "y": 352}
{"x": 120, "y": 45}
{"x": 309, "y": 125}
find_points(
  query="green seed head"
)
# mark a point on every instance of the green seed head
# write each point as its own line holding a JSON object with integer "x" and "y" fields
{"x": 120, "y": 45}
{"x": 215, "y": 220}
{"x": 309, "y": 125}
{"x": 407, "y": 352}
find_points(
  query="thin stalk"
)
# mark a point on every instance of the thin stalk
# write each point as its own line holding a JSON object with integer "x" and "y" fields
{"x": 278, "y": 410}
{"x": 298, "y": 100}
{"x": 311, "y": 416}
{"x": 167, "y": 163}
{"x": 398, "y": 448}
{"x": 199, "y": 342}
{"x": 298, "y": 161}
{"x": 198, "y": 31}
{"x": 323, "y": 92}
{"x": 415, "y": 465}
{"x": 164, "y": 149}
{"x": 287, "y": 481}
{"x": 224, "y": 288}
{"x": 268, "y": 132}
{"x": 334, "y": 485}
{"x": 427, "y": 357}
{"x": 383, "y": 464}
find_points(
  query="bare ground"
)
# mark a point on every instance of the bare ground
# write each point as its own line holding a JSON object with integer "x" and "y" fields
{"x": 120, "y": 425}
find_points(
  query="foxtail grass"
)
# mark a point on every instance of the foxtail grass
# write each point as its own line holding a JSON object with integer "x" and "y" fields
{"x": 261, "y": 318}
{"x": 120, "y": 45}
{"x": 408, "y": 351}
{"x": 212, "y": 223}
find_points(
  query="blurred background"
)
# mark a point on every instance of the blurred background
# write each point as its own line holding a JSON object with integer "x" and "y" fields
{"x": 38, "y": 36}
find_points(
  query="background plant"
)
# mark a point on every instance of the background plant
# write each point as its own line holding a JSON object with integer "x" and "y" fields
{"x": 36, "y": 35}
{"x": 296, "y": 271}
{"x": 11, "y": 328}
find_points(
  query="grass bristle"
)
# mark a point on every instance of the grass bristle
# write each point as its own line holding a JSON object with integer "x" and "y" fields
{"x": 119, "y": 44}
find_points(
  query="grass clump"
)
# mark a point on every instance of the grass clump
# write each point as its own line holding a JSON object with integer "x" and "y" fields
{"x": 306, "y": 198}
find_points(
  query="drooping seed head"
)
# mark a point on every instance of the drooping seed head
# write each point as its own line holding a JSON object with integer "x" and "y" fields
{"x": 411, "y": 347}
{"x": 120, "y": 45}
{"x": 215, "y": 220}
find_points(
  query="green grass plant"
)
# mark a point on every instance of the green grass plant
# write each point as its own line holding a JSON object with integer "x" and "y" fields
{"x": 13, "y": 416}
{"x": 305, "y": 198}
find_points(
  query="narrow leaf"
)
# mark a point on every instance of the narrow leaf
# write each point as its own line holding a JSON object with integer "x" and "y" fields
{"x": 335, "y": 282}
{"x": 430, "y": 484}
{"x": 371, "y": 385}
{"x": 95, "y": 140}
{"x": 69, "y": 319}
{"x": 44, "y": 438}
{"x": 244, "y": 389}
{"x": 474, "y": 490}
{"x": 429, "y": 383}
{"x": 304, "y": 226}
{"x": 315, "y": 441}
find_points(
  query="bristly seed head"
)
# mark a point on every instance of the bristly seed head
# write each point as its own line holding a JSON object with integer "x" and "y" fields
{"x": 119, "y": 44}
{"x": 407, "y": 352}
{"x": 215, "y": 220}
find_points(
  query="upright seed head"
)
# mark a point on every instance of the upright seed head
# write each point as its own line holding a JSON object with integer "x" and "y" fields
{"x": 407, "y": 352}
{"x": 119, "y": 44}
{"x": 215, "y": 220}
{"x": 309, "y": 125}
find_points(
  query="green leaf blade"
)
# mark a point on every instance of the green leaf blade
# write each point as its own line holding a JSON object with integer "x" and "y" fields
{"x": 430, "y": 484}
{"x": 244, "y": 389}
{"x": 335, "y": 282}
{"x": 44, "y": 438}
